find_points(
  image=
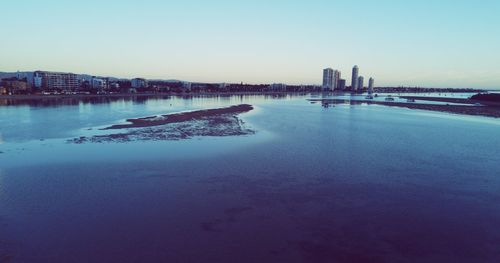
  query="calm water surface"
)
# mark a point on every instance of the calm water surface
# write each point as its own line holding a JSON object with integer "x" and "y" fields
{"x": 361, "y": 183}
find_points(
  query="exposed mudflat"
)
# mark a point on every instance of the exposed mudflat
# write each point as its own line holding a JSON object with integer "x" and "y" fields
{"x": 178, "y": 126}
{"x": 181, "y": 117}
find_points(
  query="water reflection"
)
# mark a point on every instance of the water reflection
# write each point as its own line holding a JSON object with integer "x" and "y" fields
{"x": 24, "y": 119}
{"x": 342, "y": 184}
{"x": 137, "y": 99}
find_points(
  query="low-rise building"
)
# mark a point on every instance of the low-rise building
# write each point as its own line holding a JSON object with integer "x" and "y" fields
{"x": 139, "y": 83}
{"x": 3, "y": 90}
{"x": 187, "y": 86}
{"x": 99, "y": 84}
{"x": 278, "y": 87}
{"x": 15, "y": 86}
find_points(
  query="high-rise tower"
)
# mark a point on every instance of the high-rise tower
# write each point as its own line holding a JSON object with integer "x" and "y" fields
{"x": 336, "y": 79}
{"x": 371, "y": 83}
{"x": 361, "y": 83}
{"x": 354, "y": 80}
{"x": 328, "y": 79}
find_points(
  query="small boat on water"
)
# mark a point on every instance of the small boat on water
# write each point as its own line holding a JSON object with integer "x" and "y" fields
{"x": 369, "y": 97}
{"x": 410, "y": 100}
{"x": 389, "y": 98}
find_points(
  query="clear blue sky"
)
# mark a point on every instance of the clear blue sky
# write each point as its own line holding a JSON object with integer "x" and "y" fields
{"x": 442, "y": 43}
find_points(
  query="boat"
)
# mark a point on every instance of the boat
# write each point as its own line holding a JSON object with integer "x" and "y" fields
{"x": 369, "y": 97}
{"x": 389, "y": 98}
{"x": 410, "y": 100}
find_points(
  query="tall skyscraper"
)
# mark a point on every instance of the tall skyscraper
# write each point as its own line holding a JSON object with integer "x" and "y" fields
{"x": 328, "y": 79}
{"x": 342, "y": 84}
{"x": 336, "y": 79}
{"x": 371, "y": 83}
{"x": 354, "y": 80}
{"x": 361, "y": 81}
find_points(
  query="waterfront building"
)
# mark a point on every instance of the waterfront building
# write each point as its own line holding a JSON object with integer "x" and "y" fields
{"x": 278, "y": 87}
{"x": 361, "y": 81}
{"x": 331, "y": 79}
{"x": 55, "y": 81}
{"x": 27, "y": 75}
{"x": 187, "y": 86}
{"x": 222, "y": 86}
{"x": 354, "y": 80}
{"x": 341, "y": 84}
{"x": 371, "y": 82}
{"x": 37, "y": 81}
{"x": 138, "y": 83}
{"x": 98, "y": 83}
{"x": 14, "y": 86}
{"x": 328, "y": 79}
{"x": 336, "y": 79}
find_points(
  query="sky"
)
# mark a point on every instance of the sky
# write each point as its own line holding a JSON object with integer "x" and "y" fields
{"x": 431, "y": 43}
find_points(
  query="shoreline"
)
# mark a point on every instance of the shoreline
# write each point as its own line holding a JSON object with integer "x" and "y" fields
{"x": 443, "y": 99}
{"x": 454, "y": 100}
{"x": 132, "y": 95}
{"x": 472, "y": 110}
{"x": 192, "y": 94}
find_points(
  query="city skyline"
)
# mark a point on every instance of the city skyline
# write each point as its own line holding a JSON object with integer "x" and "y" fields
{"x": 447, "y": 44}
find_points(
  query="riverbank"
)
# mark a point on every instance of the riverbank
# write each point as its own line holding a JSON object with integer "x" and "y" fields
{"x": 441, "y": 99}
{"x": 184, "y": 94}
{"x": 142, "y": 95}
{"x": 471, "y": 109}
{"x": 455, "y": 100}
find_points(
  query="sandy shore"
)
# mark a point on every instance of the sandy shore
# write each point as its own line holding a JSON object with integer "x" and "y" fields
{"x": 453, "y": 100}
{"x": 441, "y": 99}
{"x": 488, "y": 111}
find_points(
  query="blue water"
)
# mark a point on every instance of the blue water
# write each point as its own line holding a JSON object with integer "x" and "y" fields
{"x": 352, "y": 183}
